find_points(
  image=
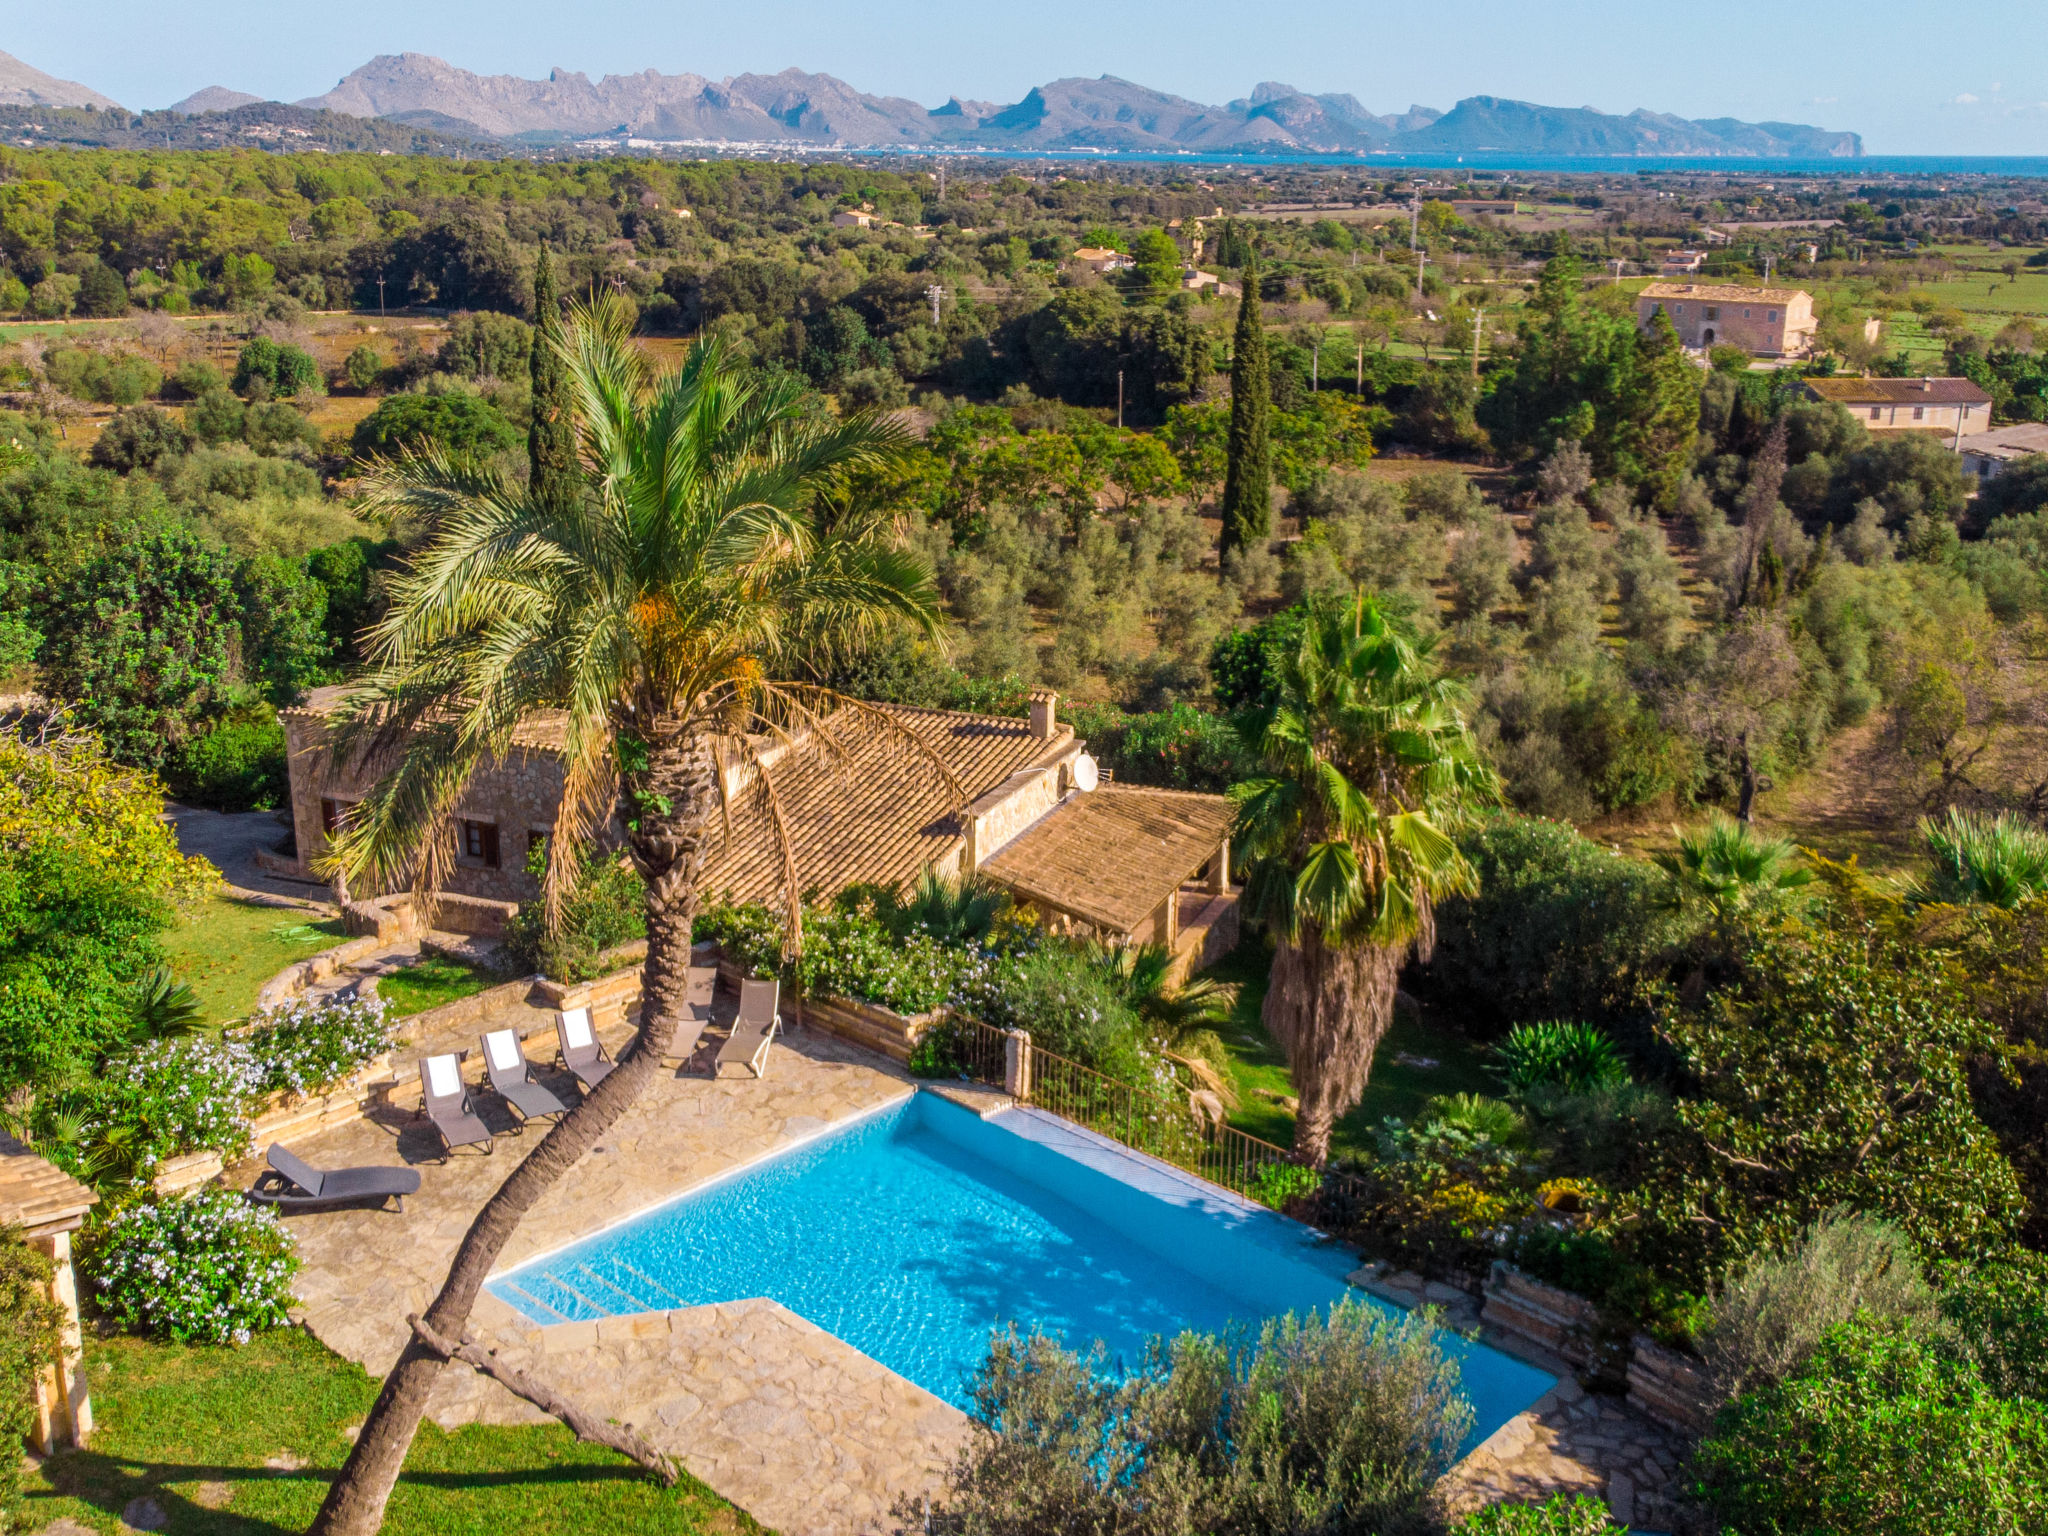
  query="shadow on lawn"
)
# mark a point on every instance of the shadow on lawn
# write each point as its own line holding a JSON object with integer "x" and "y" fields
{"x": 112, "y": 1483}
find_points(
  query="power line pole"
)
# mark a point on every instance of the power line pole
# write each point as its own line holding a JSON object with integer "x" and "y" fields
{"x": 1315, "y": 366}
{"x": 935, "y": 293}
{"x": 1119, "y": 399}
{"x": 1478, "y": 331}
{"x": 380, "y": 296}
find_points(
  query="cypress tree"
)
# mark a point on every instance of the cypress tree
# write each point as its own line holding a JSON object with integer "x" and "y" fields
{"x": 1248, "y": 471}
{"x": 556, "y": 481}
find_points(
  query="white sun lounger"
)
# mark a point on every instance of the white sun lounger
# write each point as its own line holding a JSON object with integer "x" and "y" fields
{"x": 753, "y": 1031}
{"x": 445, "y": 1099}
{"x": 581, "y": 1053}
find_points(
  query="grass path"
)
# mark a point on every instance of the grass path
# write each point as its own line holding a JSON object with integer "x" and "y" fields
{"x": 1418, "y": 1059}
{"x": 429, "y": 983}
{"x": 243, "y": 1442}
{"x": 225, "y": 948}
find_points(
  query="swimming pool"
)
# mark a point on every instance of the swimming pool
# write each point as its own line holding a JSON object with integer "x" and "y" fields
{"x": 912, "y": 1231}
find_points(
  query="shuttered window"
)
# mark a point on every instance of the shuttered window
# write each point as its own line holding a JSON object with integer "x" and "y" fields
{"x": 480, "y": 842}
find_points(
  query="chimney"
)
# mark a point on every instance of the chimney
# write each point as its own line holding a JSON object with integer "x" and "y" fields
{"x": 1044, "y": 713}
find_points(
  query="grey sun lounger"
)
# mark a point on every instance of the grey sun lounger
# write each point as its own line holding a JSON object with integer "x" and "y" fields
{"x": 511, "y": 1076}
{"x": 754, "y": 1030}
{"x": 446, "y": 1102}
{"x": 581, "y": 1053}
{"x": 682, "y": 1041}
{"x": 293, "y": 1185}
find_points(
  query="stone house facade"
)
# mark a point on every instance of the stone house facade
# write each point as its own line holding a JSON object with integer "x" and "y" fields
{"x": 1026, "y": 806}
{"x": 1765, "y": 322}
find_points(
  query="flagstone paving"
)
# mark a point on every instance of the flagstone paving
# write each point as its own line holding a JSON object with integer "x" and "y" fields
{"x": 799, "y": 1429}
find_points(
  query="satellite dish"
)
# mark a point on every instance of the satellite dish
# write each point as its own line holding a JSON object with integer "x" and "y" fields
{"x": 1085, "y": 775}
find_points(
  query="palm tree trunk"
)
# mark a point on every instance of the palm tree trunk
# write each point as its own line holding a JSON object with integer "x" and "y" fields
{"x": 1329, "y": 1006}
{"x": 669, "y": 851}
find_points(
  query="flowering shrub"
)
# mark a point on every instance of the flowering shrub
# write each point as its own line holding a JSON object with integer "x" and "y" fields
{"x": 209, "y": 1268}
{"x": 750, "y": 935}
{"x": 304, "y": 1047}
{"x": 178, "y": 1096}
{"x": 1016, "y": 978}
{"x": 850, "y": 954}
{"x": 171, "y": 1097}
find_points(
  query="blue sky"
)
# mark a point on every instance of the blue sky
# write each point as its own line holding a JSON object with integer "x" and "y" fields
{"x": 1912, "y": 79}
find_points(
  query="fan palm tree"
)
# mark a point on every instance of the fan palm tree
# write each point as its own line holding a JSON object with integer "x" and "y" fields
{"x": 956, "y": 910}
{"x": 1728, "y": 868}
{"x": 715, "y": 543}
{"x": 1180, "y": 1016}
{"x": 1999, "y": 860}
{"x": 1369, "y": 771}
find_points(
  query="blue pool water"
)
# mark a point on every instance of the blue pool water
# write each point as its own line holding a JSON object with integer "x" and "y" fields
{"x": 913, "y": 1231}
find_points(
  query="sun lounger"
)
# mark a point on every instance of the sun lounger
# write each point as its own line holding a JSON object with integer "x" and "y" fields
{"x": 446, "y": 1101}
{"x": 292, "y": 1185}
{"x": 682, "y": 1040}
{"x": 512, "y": 1080}
{"x": 581, "y": 1053}
{"x": 754, "y": 1030}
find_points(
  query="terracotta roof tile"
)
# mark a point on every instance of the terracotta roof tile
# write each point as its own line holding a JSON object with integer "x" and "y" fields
{"x": 1113, "y": 856}
{"x": 36, "y": 1194}
{"x": 876, "y": 812}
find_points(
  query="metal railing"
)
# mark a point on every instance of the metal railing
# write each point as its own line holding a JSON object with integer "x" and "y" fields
{"x": 1165, "y": 1126}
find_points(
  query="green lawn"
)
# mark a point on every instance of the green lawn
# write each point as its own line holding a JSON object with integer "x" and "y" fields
{"x": 242, "y": 1442}
{"x": 1397, "y": 1087}
{"x": 225, "y": 949}
{"x": 430, "y": 983}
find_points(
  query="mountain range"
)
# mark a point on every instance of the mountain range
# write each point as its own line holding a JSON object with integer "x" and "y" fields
{"x": 23, "y": 85}
{"x": 804, "y": 110}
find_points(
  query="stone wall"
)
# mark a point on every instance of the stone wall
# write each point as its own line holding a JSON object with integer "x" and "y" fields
{"x": 1017, "y": 803}
{"x": 517, "y": 794}
{"x": 1551, "y": 1319}
{"x": 1669, "y": 1387}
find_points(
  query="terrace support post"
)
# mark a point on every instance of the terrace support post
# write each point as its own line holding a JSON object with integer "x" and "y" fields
{"x": 63, "y": 1401}
{"x": 1017, "y": 1064}
{"x": 1219, "y": 870}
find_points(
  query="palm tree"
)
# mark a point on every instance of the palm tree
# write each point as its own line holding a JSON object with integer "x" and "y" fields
{"x": 954, "y": 910}
{"x": 1369, "y": 770}
{"x": 715, "y": 544}
{"x": 1998, "y": 860}
{"x": 1728, "y": 868}
{"x": 1180, "y": 1016}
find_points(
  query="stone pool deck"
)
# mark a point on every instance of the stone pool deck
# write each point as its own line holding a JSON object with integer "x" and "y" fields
{"x": 802, "y": 1431}
{"x": 805, "y": 1433}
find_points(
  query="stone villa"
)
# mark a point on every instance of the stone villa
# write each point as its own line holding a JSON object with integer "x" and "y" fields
{"x": 1766, "y": 322}
{"x": 1119, "y": 861}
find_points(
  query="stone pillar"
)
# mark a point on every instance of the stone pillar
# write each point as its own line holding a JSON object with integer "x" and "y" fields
{"x": 1219, "y": 870}
{"x": 1017, "y": 1064}
{"x": 66, "y": 1418}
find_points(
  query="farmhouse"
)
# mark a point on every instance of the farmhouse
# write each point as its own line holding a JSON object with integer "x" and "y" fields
{"x": 1990, "y": 454}
{"x": 1954, "y": 407}
{"x": 1027, "y": 808}
{"x": 1767, "y": 322}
